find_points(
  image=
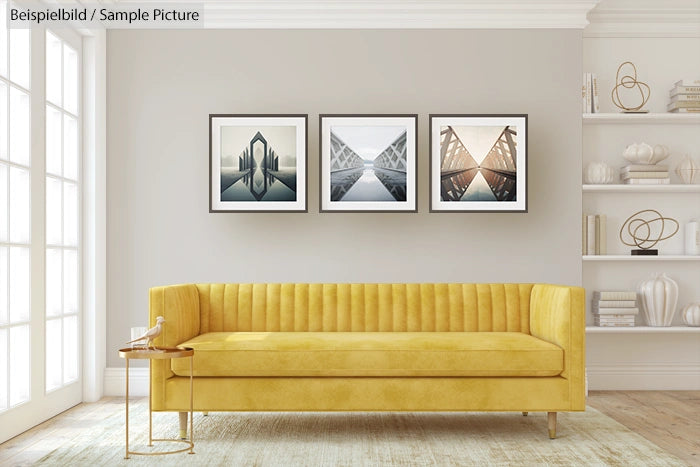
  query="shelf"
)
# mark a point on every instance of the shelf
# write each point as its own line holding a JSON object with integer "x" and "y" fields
{"x": 649, "y": 118}
{"x": 640, "y": 258}
{"x": 619, "y": 188}
{"x": 642, "y": 330}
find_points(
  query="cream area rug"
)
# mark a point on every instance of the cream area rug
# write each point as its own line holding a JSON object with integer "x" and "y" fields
{"x": 96, "y": 438}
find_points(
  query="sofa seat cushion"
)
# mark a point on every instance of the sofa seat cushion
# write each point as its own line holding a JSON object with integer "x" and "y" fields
{"x": 370, "y": 354}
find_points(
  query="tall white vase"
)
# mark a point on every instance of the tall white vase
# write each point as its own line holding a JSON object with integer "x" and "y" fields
{"x": 659, "y": 297}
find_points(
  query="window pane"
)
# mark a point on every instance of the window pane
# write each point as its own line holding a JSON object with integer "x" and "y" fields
{"x": 70, "y": 349}
{"x": 19, "y": 205}
{"x": 3, "y": 119}
{"x": 19, "y": 364}
{"x": 53, "y": 354}
{"x": 53, "y": 141}
{"x": 19, "y": 57}
{"x": 3, "y": 203}
{"x": 70, "y": 281}
{"x": 3, "y": 369}
{"x": 53, "y": 69}
{"x": 19, "y": 284}
{"x": 54, "y": 203}
{"x": 54, "y": 282}
{"x": 70, "y": 147}
{"x": 3, "y": 288}
{"x": 3, "y": 40}
{"x": 70, "y": 80}
{"x": 70, "y": 214}
{"x": 19, "y": 127}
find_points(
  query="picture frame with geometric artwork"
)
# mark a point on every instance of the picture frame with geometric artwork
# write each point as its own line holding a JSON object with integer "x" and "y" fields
{"x": 258, "y": 163}
{"x": 478, "y": 163}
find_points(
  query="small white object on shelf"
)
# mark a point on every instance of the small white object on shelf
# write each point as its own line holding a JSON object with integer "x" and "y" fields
{"x": 692, "y": 238}
{"x": 691, "y": 314}
{"x": 599, "y": 173}
{"x": 687, "y": 170}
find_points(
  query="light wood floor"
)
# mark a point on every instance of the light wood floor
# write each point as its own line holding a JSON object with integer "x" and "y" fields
{"x": 670, "y": 419}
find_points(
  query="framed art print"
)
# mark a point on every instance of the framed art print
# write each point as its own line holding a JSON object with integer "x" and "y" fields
{"x": 368, "y": 163}
{"x": 257, "y": 163}
{"x": 478, "y": 163}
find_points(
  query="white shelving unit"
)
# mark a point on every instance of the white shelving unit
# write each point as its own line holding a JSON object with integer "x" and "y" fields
{"x": 654, "y": 39}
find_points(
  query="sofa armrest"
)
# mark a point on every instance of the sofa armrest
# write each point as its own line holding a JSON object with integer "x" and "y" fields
{"x": 179, "y": 305}
{"x": 557, "y": 315}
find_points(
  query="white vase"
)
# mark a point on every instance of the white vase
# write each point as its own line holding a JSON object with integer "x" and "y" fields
{"x": 659, "y": 296}
{"x": 691, "y": 314}
{"x": 599, "y": 173}
{"x": 687, "y": 170}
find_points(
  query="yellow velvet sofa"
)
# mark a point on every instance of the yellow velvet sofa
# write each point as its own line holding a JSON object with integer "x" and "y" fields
{"x": 372, "y": 347}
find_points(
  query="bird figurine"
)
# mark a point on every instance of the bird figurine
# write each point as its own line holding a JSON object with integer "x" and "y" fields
{"x": 151, "y": 334}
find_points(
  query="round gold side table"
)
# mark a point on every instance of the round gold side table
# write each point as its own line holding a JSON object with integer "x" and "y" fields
{"x": 157, "y": 353}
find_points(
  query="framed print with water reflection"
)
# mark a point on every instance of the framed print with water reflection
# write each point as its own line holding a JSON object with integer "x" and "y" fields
{"x": 257, "y": 163}
{"x": 478, "y": 163}
{"x": 368, "y": 163}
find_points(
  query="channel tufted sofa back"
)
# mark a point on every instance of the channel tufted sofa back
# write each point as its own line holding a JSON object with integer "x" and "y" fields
{"x": 364, "y": 307}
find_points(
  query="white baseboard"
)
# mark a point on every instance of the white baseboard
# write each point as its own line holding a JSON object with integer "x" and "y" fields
{"x": 658, "y": 376}
{"x": 115, "y": 382}
{"x": 622, "y": 376}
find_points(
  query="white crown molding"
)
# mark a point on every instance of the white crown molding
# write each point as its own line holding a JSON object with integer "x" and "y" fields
{"x": 644, "y": 18}
{"x": 390, "y": 14}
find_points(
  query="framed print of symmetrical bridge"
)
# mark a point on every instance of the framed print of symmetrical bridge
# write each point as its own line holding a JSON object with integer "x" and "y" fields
{"x": 368, "y": 163}
{"x": 257, "y": 163}
{"x": 478, "y": 163}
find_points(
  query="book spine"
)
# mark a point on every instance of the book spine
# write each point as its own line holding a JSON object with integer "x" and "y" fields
{"x": 617, "y": 303}
{"x": 629, "y": 175}
{"x": 583, "y": 94}
{"x": 594, "y": 85}
{"x": 643, "y": 168}
{"x": 684, "y": 90}
{"x": 683, "y": 105}
{"x": 688, "y": 111}
{"x": 616, "y": 311}
{"x": 584, "y": 234}
{"x": 590, "y": 248}
{"x": 589, "y": 93}
{"x": 686, "y": 98}
{"x": 687, "y": 82}
{"x": 602, "y": 236}
{"x": 597, "y": 235}
{"x": 648, "y": 181}
{"x": 614, "y": 325}
{"x": 615, "y": 295}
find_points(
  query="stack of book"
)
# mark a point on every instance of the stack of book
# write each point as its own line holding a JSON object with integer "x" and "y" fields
{"x": 639, "y": 174}
{"x": 589, "y": 94}
{"x": 614, "y": 308}
{"x": 595, "y": 235}
{"x": 685, "y": 96}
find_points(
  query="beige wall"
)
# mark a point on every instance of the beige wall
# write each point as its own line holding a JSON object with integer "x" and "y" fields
{"x": 163, "y": 84}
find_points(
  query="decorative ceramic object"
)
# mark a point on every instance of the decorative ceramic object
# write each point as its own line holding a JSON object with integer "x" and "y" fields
{"x": 660, "y": 153}
{"x": 599, "y": 173}
{"x": 691, "y": 314}
{"x": 659, "y": 296}
{"x": 639, "y": 153}
{"x": 687, "y": 170}
{"x": 629, "y": 81}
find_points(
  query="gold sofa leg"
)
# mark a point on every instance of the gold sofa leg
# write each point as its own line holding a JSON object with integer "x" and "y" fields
{"x": 552, "y": 424}
{"x": 183, "y": 425}
{"x": 525, "y": 414}
{"x": 206, "y": 414}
